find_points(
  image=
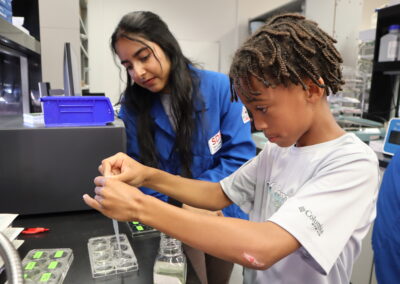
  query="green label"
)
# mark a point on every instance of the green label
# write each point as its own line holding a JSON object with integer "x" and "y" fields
{"x": 52, "y": 265}
{"x": 59, "y": 253}
{"x": 139, "y": 228}
{"x": 38, "y": 254}
{"x": 45, "y": 277}
{"x": 30, "y": 265}
{"x": 135, "y": 223}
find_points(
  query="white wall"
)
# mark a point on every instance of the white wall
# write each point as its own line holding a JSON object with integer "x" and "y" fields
{"x": 55, "y": 29}
{"x": 209, "y": 25}
{"x": 341, "y": 19}
{"x": 248, "y": 9}
{"x": 369, "y": 13}
{"x": 189, "y": 21}
{"x": 210, "y": 30}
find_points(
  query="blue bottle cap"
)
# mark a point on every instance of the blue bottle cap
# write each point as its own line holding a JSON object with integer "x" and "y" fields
{"x": 394, "y": 27}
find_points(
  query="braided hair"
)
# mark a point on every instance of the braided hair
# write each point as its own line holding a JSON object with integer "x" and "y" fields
{"x": 287, "y": 49}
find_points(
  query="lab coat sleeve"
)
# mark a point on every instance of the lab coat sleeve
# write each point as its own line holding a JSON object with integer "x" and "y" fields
{"x": 132, "y": 146}
{"x": 130, "y": 130}
{"x": 237, "y": 146}
{"x": 235, "y": 127}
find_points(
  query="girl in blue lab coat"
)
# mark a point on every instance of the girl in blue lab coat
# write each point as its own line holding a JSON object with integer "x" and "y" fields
{"x": 386, "y": 231}
{"x": 179, "y": 118}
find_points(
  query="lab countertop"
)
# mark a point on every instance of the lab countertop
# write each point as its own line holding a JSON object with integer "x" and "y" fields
{"x": 16, "y": 122}
{"x": 73, "y": 230}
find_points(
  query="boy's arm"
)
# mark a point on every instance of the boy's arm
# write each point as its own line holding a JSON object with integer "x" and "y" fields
{"x": 196, "y": 193}
{"x": 254, "y": 245}
{"x": 251, "y": 244}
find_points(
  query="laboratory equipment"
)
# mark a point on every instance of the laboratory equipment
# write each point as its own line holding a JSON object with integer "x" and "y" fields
{"x": 365, "y": 129}
{"x": 11, "y": 260}
{"x": 348, "y": 106}
{"x": 116, "y": 232}
{"x": 109, "y": 258}
{"x": 47, "y": 265}
{"x": 58, "y": 164}
{"x": 348, "y": 101}
{"x": 383, "y": 95}
{"x": 20, "y": 69}
{"x": 364, "y": 66}
{"x": 170, "y": 265}
{"x": 389, "y": 44}
{"x": 140, "y": 229}
{"x": 392, "y": 139}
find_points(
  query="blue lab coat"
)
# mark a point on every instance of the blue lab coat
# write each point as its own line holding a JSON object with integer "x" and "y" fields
{"x": 220, "y": 115}
{"x": 386, "y": 232}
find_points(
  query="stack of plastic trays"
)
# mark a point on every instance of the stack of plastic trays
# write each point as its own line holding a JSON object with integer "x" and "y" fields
{"x": 108, "y": 260}
{"x": 47, "y": 265}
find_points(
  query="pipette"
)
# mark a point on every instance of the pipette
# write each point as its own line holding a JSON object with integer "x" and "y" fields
{"x": 116, "y": 231}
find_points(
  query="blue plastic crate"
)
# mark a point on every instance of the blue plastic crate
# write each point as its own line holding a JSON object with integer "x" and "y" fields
{"x": 77, "y": 110}
{"x": 5, "y": 13}
{"x": 6, "y": 4}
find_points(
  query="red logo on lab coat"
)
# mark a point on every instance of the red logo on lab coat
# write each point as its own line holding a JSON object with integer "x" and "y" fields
{"x": 215, "y": 143}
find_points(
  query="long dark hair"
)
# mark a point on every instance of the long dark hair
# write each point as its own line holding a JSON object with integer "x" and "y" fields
{"x": 287, "y": 49}
{"x": 182, "y": 83}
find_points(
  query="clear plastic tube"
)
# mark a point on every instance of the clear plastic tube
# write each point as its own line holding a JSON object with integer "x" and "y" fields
{"x": 116, "y": 231}
{"x": 12, "y": 261}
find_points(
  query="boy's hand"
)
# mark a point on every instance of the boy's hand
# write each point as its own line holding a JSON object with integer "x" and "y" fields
{"x": 125, "y": 169}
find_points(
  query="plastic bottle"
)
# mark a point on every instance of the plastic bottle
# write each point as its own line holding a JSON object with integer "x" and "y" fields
{"x": 389, "y": 44}
{"x": 170, "y": 265}
{"x": 398, "y": 51}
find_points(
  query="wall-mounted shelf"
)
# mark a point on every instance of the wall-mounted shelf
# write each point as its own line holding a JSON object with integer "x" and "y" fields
{"x": 84, "y": 51}
{"x": 387, "y": 67}
{"x": 15, "y": 38}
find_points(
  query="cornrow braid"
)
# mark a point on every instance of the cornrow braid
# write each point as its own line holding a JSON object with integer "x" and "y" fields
{"x": 288, "y": 49}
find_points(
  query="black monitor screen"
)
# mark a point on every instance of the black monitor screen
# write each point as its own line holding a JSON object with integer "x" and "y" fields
{"x": 68, "y": 75}
{"x": 394, "y": 137}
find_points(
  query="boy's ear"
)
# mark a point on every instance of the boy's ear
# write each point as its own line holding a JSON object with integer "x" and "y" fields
{"x": 314, "y": 92}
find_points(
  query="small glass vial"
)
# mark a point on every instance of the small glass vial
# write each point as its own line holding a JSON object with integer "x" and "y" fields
{"x": 170, "y": 265}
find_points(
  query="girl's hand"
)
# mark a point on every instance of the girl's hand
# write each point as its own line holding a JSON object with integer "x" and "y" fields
{"x": 125, "y": 169}
{"x": 115, "y": 199}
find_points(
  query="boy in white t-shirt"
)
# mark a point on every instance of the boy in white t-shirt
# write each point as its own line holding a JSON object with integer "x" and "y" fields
{"x": 310, "y": 193}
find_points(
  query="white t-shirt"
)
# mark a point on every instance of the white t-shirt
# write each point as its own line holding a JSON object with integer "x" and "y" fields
{"x": 324, "y": 195}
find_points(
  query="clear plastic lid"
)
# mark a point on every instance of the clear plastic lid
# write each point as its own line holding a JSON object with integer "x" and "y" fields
{"x": 108, "y": 257}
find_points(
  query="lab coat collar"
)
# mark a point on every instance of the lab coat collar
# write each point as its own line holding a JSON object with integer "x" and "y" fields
{"x": 161, "y": 118}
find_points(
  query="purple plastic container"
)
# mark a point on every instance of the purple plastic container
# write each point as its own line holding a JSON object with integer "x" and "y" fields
{"x": 77, "y": 110}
